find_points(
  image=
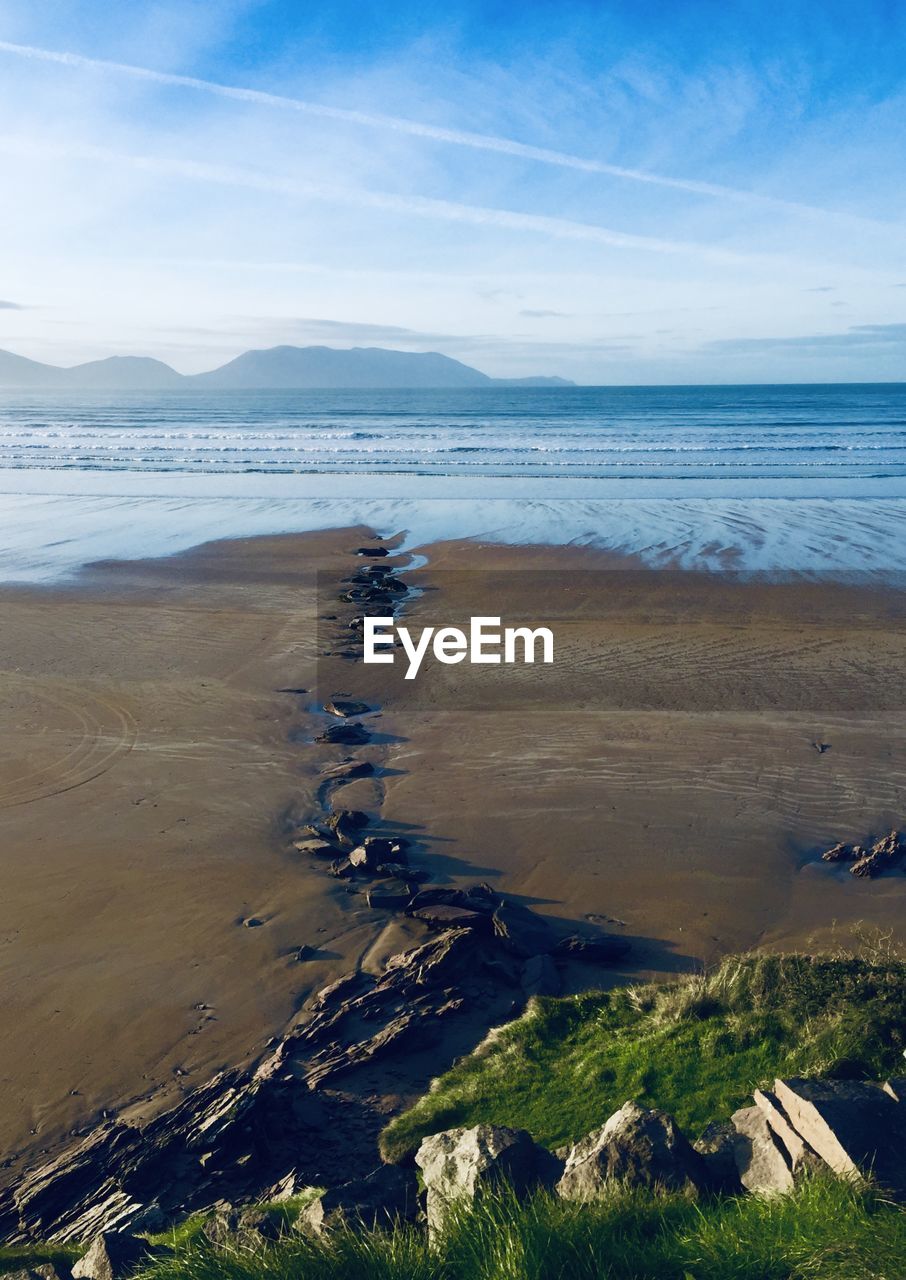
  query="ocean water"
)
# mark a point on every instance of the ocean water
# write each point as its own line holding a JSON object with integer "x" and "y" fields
{"x": 800, "y": 478}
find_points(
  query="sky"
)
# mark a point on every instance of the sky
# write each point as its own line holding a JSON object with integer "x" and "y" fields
{"x": 614, "y": 192}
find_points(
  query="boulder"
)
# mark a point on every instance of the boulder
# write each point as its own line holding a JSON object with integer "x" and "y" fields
{"x": 521, "y": 932}
{"x": 112, "y": 1255}
{"x": 440, "y": 896}
{"x": 763, "y": 1165}
{"x": 385, "y": 1197}
{"x": 36, "y": 1271}
{"x": 601, "y": 949}
{"x": 247, "y": 1226}
{"x": 448, "y": 917}
{"x": 638, "y": 1146}
{"x": 884, "y": 855}
{"x": 716, "y": 1146}
{"x": 896, "y": 1088}
{"x": 346, "y": 824}
{"x": 374, "y": 553}
{"x": 389, "y": 895}
{"x": 348, "y": 770}
{"x": 345, "y": 734}
{"x": 343, "y": 708}
{"x": 858, "y": 1129}
{"x": 402, "y": 871}
{"x": 540, "y": 977}
{"x": 460, "y": 1163}
{"x": 797, "y": 1149}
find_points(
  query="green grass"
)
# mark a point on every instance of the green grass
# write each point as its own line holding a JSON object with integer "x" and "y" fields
{"x": 826, "y": 1231}
{"x": 15, "y": 1257}
{"x": 696, "y": 1048}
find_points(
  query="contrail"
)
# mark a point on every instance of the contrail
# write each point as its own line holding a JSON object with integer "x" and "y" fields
{"x": 420, "y": 206}
{"x": 397, "y": 124}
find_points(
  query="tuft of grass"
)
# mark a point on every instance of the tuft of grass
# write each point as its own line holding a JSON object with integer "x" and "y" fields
{"x": 696, "y": 1047}
{"x": 19, "y": 1257}
{"x": 827, "y": 1230}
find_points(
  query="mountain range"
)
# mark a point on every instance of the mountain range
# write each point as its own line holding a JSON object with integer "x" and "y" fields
{"x": 275, "y": 369}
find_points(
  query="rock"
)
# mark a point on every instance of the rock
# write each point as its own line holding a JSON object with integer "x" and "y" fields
{"x": 376, "y": 849}
{"x": 440, "y": 896}
{"x": 36, "y": 1271}
{"x": 460, "y": 1163}
{"x": 402, "y": 871}
{"x": 349, "y": 769}
{"x": 342, "y": 868}
{"x": 799, "y": 1153}
{"x": 896, "y": 1088}
{"x": 252, "y": 922}
{"x": 389, "y": 895}
{"x": 242, "y": 1226}
{"x": 884, "y": 855}
{"x": 345, "y": 734}
{"x": 315, "y": 848}
{"x": 448, "y": 917}
{"x": 716, "y": 1146}
{"x": 639, "y": 1146}
{"x": 858, "y": 1129}
{"x": 843, "y": 852}
{"x": 374, "y": 553}
{"x": 540, "y": 977}
{"x": 384, "y": 1198}
{"x": 762, "y": 1164}
{"x": 343, "y": 708}
{"x": 110, "y": 1256}
{"x": 601, "y": 949}
{"x": 346, "y": 824}
{"x": 520, "y": 931}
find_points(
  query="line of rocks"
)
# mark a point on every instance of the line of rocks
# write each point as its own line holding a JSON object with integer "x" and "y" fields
{"x": 252, "y": 1135}
{"x": 872, "y": 858}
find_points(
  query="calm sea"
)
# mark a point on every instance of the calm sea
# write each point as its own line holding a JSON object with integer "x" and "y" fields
{"x": 621, "y": 433}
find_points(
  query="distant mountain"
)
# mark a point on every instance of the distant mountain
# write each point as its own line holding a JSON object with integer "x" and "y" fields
{"x": 276, "y": 369}
{"x": 362, "y": 367}
{"x": 123, "y": 373}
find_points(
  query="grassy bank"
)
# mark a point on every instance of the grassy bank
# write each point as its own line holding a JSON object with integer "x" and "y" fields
{"x": 827, "y": 1231}
{"x": 696, "y": 1048}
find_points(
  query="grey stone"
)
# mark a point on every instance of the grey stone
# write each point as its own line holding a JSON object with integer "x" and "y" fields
{"x": 37, "y": 1271}
{"x": 638, "y": 1146}
{"x": 110, "y": 1256}
{"x": 716, "y": 1146}
{"x": 800, "y": 1153}
{"x": 383, "y": 1198}
{"x": 764, "y": 1167}
{"x": 858, "y": 1129}
{"x": 460, "y": 1163}
{"x": 540, "y": 977}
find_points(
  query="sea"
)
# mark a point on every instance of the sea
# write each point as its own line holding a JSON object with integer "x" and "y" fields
{"x": 784, "y": 478}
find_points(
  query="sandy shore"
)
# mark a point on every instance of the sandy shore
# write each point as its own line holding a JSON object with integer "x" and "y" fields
{"x": 660, "y": 779}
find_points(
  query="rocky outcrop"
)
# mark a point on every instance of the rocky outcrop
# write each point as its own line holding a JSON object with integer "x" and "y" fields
{"x": 868, "y": 861}
{"x": 111, "y": 1256}
{"x": 460, "y": 1163}
{"x": 637, "y": 1145}
{"x": 858, "y": 1129}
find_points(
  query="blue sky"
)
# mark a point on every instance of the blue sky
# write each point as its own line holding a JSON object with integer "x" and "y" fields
{"x": 614, "y": 192}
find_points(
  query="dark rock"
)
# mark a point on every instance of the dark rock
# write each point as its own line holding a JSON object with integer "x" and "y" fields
{"x": 343, "y": 708}
{"x": 896, "y": 1088}
{"x": 460, "y": 1163}
{"x": 349, "y": 769}
{"x": 242, "y": 1227}
{"x": 402, "y": 871}
{"x": 441, "y": 896}
{"x": 843, "y": 852}
{"x": 384, "y": 1198}
{"x": 521, "y": 932}
{"x": 252, "y": 922}
{"x": 38, "y": 1271}
{"x": 601, "y": 949}
{"x": 884, "y": 855}
{"x": 373, "y": 552}
{"x": 112, "y": 1255}
{"x": 346, "y": 734}
{"x": 342, "y": 868}
{"x": 389, "y": 895}
{"x": 540, "y": 977}
{"x": 637, "y": 1146}
{"x": 858, "y": 1129}
{"x": 717, "y": 1148}
{"x": 347, "y": 824}
{"x": 315, "y": 848}
{"x": 762, "y": 1162}
{"x": 374, "y": 850}
{"x": 449, "y": 917}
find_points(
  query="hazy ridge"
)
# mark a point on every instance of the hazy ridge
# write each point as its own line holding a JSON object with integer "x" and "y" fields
{"x": 277, "y": 368}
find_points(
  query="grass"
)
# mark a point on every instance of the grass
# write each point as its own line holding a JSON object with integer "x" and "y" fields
{"x": 828, "y": 1230}
{"x": 696, "y": 1048}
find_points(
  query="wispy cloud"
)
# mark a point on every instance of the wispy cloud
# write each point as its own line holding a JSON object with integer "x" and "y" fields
{"x": 858, "y": 336}
{"x": 418, "y": 206}
{"x": 415, "y": 128}
{"x": 5, "y": 305}
{"x": 542, "y": 314}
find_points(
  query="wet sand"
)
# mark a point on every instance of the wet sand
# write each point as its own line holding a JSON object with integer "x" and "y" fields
{"x": 659, "y": 779}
